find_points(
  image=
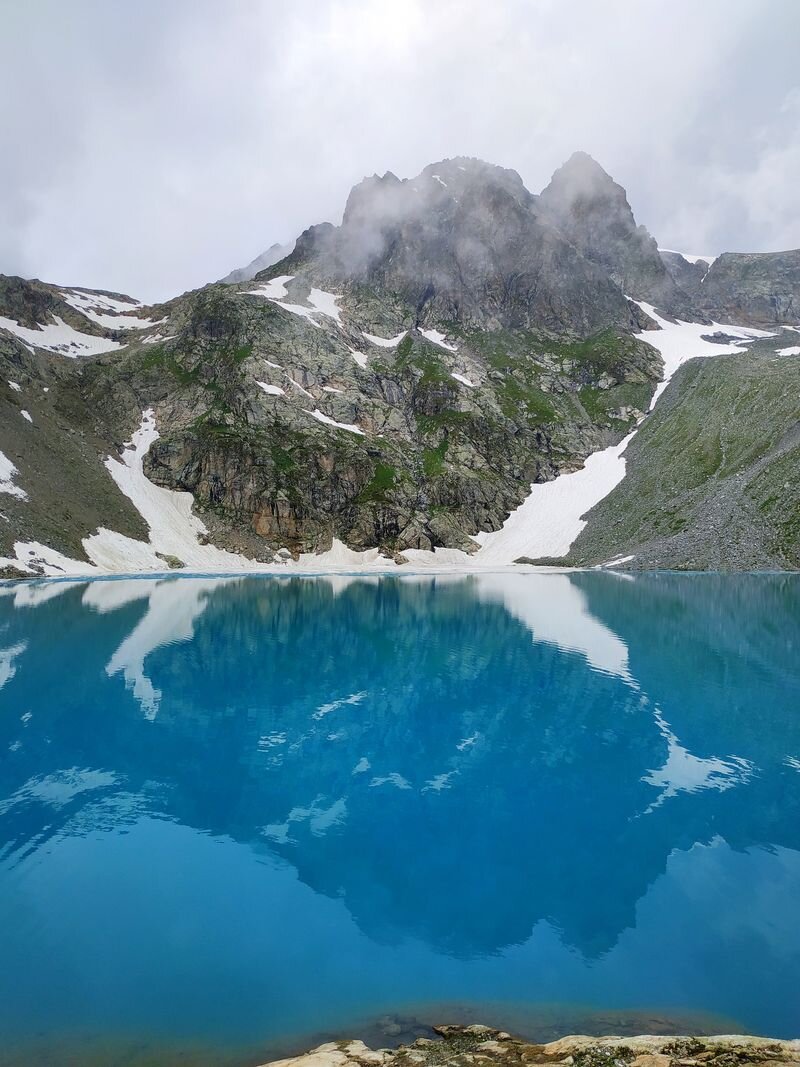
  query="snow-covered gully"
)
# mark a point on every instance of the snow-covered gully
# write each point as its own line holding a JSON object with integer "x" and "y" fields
{"x": 549, "y": 520}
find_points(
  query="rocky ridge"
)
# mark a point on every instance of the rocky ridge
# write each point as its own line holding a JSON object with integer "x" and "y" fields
{"x": 274, "y": 254}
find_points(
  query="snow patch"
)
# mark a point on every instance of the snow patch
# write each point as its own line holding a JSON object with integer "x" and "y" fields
{"x": 26, "y": 415}
{"x": 8, "y": 472}
{"x": 463, "y": 380}
{"x": 60, "y": 338}
{"x": 173, "y": 529}
{"x": 273, "y": 390}
{"x": 274, "y": 289}
{"x": 436, "y": 337}
{"x": 155, "y": 338}
{"x": 385, "y": 342}
{"x": 359, "y": 357}
{"x": 619, "y": 562}
{"x": 793, "y": 350}
{"x": 321, "y": 417}
{"x": 15, "y": 386}
{"x": 325, "y": 304}
{"x": 96, "y": 308}
{"x": 322, "y": 303}
{"x": 549, "y": 519}
{"x": 339, "y": 555}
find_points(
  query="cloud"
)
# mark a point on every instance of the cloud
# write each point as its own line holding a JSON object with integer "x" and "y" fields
{"x": 152, "y": 147}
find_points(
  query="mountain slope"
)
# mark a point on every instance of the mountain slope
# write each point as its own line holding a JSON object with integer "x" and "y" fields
{"x": 402, "y": 382}
{"x": 713, "y": 476}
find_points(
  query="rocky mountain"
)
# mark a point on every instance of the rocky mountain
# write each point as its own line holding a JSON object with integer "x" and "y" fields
{"x": 398, "y": 381}
{"x": 464, "y": 243}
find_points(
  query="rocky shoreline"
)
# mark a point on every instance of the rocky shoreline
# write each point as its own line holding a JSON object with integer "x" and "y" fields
{"x": 465, "y": 1046}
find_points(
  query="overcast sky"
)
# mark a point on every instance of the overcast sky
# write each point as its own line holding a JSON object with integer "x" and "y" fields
{"x": 153, "y": 145}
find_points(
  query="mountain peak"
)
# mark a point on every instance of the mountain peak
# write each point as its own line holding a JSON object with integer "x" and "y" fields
{"x": 584, "y": 202}
{"x": 583, "y": 179}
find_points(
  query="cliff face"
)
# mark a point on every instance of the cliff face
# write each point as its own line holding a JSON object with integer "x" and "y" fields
{"x": 760, "y": 288}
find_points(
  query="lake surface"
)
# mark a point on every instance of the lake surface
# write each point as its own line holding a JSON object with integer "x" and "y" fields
{"x": 241, "y": 814}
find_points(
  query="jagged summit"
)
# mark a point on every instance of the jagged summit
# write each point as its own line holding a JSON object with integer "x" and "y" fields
{"x": 463, "y": 241}
{"x": 580, "y": 187}
{"x": 386, "y": 199}
{"x": 592, "y": 211}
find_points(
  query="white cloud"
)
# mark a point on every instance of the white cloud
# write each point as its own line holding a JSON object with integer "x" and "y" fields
{"x": 158, "y": 146}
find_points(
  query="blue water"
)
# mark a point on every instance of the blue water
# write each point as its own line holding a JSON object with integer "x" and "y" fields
{"x": 237, "y": 815}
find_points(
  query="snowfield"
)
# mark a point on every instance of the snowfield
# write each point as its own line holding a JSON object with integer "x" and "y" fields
{"x": 549, "y": 519}
{"x": 681, "y": 341}
{"x": 436, "y": 337}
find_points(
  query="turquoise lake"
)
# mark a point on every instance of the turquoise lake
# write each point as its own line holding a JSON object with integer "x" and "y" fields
{"x": 239, "y": 815}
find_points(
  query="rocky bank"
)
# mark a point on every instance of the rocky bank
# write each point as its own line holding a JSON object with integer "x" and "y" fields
{"x": 481, "y": 1046}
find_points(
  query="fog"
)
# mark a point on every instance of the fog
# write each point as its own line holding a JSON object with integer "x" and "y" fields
{"x": 149, "y": 148}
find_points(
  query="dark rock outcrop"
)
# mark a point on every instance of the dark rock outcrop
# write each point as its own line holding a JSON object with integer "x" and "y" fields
{"x": 687, "y": 274}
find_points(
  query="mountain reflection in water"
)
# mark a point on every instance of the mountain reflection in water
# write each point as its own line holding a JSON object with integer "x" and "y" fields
{"x": 233, "y": 809}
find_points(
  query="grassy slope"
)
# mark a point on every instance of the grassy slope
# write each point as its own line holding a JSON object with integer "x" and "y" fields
{"x": 713, "y": 477}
